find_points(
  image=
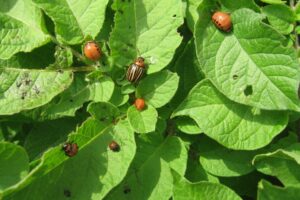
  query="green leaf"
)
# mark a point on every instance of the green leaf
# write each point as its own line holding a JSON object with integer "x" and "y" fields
{"x": 273, "y": 1}
{"x": 68, "y": 102}
{"x": 283, "y": 163}
{"x": 297, "y": 11}
{"x": 128, "y": 88}
{"x": 63, "y": 58}
{"x": 103, "y": 111}
{"x": 65, "y": 104}
{"x": 142, "y": 29}
{"x": 187, "y": 125}
{"x": 223, "y": 162}
{"x": 195, "y": 171}
{"x": 48, "y": 134}
{"x": 183, "y": 189}
{"x": 102, "y": 89}
{"x": 220, "y": 161}
{"x": 95, "y": 165}
{"x": 29, "y": 60}
{"x": 249, "y": 65}
{"x": 230, "y": 124}
{"x": 159, "y": 88}
{"x": 143, "y": 121}
{"x": 281, "y": 17}
{"x": 73, "y": 20}
{"x": 232, "y": 5}
{"x": 117, "y": 98}
{"x": 14, "y": 164}
{"x": 10, "y": 129}
{"x": 266, "y": 191}
{"x": 22, "y": 28}
{"x": 191, "y": 13}
{"x": 150, "y": 176}
{"x": 23, "y": 89}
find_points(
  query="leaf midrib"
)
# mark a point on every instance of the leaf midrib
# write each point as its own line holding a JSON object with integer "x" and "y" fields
{"x": 23, "y": 183}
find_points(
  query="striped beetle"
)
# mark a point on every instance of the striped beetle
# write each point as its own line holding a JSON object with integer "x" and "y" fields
{"x": 136, "y": 70}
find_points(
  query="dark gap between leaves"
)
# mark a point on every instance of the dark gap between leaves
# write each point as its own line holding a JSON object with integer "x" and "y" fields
{"x": 126, "y": 190}
{"x": 67, "y": 193}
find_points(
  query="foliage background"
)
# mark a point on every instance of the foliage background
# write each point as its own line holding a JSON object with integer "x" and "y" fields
{"x": 222, "y": 115}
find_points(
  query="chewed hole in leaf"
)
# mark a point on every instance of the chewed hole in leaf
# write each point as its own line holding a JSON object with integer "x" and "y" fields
{"x": 235, "y": 77}
{"x": 248, "y": 90}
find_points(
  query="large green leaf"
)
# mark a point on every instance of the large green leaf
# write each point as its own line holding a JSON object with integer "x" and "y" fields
{"x": 283, "y": 163}
{"x": 21, "y": 27}
{"x": 231, "y": 124}
{"x": 158, "y": 89}
{"x": 14, "y": 164}
{"x": 142, "y": 121}
{"x": 249, "y": 65}
{"x": 183, "y": 189}
{"x": 146, "y": 28}
{"x": 149, "y": 176}
{"x": 224, "y": 162}
{"x": 95, "y": 165}
{"x": 266, "y": 191}
{"x": 281, "y": 17}
{"x": 23, "y": 89}
{"x": 75, "y": 20}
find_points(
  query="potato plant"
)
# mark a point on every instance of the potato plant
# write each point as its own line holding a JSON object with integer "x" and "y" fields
{"x": 149, "y": 99}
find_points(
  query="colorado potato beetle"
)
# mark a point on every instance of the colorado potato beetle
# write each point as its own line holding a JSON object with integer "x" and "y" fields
{"x": 114, "y": 146}
{"x": 92, "y": 51}
{"x": 222, "y": 21}
{"x": 70, "y": 149}
{"x": 139, "y": 103}
{"x": 136, "y": 70}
